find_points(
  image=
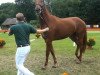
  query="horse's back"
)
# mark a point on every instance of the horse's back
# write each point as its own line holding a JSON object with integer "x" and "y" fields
{"x": 77, "y": 22}
{"x": 69, "y": 20}
{"x": 74, "y": 19}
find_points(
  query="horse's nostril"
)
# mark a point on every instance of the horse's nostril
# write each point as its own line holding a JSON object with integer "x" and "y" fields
{"x": 37, "y": 10}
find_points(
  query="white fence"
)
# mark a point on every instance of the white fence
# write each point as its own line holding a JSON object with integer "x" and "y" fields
{"x": 94, "y": 26}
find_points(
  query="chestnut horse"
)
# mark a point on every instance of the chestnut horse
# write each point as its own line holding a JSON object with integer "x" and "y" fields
{"x": 60, "y": 28}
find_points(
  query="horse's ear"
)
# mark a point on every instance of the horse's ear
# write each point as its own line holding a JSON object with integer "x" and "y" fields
{"x": 47, "y": 2}
{"x": 43, "y": 1}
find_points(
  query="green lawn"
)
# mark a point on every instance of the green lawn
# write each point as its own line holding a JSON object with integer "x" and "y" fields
{"x": 64, "y": 51}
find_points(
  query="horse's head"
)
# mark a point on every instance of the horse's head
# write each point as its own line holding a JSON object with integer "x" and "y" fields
{"x": 39, "y": 6}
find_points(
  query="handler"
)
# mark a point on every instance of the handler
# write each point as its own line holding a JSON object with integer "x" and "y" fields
{"x": 21, "y": 33}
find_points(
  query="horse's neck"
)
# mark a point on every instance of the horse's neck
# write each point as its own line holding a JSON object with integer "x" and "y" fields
{"x": 45, "y": 16}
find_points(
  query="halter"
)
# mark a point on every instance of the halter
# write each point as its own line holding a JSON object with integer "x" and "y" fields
{"x": 40, "y": 6}
{"x": 40, "y": 14}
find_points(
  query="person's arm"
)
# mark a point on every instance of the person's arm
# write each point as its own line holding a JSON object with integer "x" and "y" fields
{"x": 39, "y": 31}
{"x": 10, "y": 32}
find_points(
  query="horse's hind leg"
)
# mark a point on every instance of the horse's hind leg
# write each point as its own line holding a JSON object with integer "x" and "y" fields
{"x": 53, "y": 55}
{"x": 82, "y": 43}
{"x": 81, "y": 49}
{"x": 75, "y": 39}
{"x": 79, "y": 42}
{"x": 76, "y": 52}
{"x": 81, "y": 46}
{"x": 54, "y": 58}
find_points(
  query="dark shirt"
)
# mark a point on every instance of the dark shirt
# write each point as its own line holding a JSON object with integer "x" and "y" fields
{"x": 22, "y": 32}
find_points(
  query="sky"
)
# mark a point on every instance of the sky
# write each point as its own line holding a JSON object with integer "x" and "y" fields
{"x": 5, "y": 1}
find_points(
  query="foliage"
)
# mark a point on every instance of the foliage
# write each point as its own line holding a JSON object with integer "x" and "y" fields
{"x": 93, "y": 11}
{"x": 7, "y": 10}
{"x": 91, "y": 42}
{"x": 2, "y": 42}
{"x": 27, "y": 7}
{"x": 38, "y": 35}
{"x": 88, "y": 10}
{"x": 3, "y": 16}
{"x": 65, "y": 8}
{"x": 34, "y": 23}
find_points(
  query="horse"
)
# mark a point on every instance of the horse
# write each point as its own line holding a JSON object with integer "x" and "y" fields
{"x": 60, "y": 28}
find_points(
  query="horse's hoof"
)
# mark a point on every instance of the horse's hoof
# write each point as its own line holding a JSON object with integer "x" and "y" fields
{"x": 43, "y": 68}
{"x": 78, "y": 62}
{"x": 54, "y": 66}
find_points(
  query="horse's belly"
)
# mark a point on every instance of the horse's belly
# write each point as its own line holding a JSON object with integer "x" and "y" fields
{"x": 64, "y": 33}
{"x": 62, "y": 36}
{"x": 58, "y": 38}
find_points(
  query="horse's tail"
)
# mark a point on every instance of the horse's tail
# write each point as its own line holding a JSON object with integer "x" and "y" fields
{"x": 84, "y": 41}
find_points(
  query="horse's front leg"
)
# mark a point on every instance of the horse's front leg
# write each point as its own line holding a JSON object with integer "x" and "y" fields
{"x": 53, "y": 55}
{"x": 47, "y": 55}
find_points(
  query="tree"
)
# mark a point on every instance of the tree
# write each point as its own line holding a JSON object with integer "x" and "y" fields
{"x": 65, "y": 8}
{"x": 93, "y": 15}
{"x": 60, "y": 8}
{"x": 27, "y": 7}
{"x": 48, "y": 4}
{"x": 7, "y": 10}
{"x": 88, "y": 10}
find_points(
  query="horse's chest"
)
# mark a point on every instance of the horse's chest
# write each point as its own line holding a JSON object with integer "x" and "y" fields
{"x": 60, "y": 36}
{"x": 45, "y": 35}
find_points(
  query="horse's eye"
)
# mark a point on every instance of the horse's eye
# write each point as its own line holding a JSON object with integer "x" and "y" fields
{"x": 37, "y": 9}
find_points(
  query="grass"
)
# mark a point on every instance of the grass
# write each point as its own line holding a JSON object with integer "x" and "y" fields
{"x": 64, "y": 52}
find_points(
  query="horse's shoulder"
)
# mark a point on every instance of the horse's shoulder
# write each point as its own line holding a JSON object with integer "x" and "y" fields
{"x": 53, "y": 16}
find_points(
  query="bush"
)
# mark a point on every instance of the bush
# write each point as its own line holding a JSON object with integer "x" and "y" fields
{"x": 38, "y": 35}
{"x": 2, "y": 42}
{"x": 91, "y": 42}
{"x": 35, "y": 23}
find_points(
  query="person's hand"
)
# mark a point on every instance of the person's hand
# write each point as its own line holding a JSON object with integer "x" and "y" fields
{"x": 43, "y": 30}
{"x": 46, "y": 29}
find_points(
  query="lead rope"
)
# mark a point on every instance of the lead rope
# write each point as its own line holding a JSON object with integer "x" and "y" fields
{"x": 44, "y": 20}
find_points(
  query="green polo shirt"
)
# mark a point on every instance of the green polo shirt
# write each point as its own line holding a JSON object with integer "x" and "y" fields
{"x": 22, "y": 32}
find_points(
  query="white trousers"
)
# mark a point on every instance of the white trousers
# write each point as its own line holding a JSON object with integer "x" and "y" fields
{"x": 20, "y": 57}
